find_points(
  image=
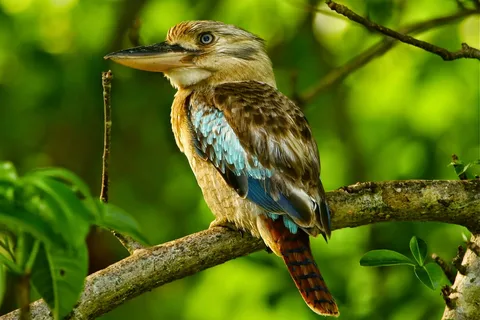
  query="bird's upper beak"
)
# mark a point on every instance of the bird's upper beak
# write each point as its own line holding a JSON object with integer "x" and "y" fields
{"x": 160, "y": 57}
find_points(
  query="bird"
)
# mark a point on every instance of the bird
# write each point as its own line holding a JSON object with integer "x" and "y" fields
{"x": 250, "y": 147}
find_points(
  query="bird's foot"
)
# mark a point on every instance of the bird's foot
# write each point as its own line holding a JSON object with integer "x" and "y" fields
{"x": 223, "y": 223}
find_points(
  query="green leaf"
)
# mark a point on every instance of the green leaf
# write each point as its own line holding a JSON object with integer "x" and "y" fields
{"x": 418, "y": 247}
{"x": 58, "y": 276}
{"x": 7, "y": 171}
{"x": 436, "y": 274}
{"x": 72, "y": 180}
{"x": 117, "y": 219}
{"x": 7, "y": 262}
{"x": 70, "y": 214}
{"x": 471, "y": 164}
{"x": 377, "y": 258}
{"x": 423, "y": 276}
{"x": 38, "y": 226}
{"x": 65, "y": 176}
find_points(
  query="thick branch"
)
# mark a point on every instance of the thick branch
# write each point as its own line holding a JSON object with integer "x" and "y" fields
{"x": 376, "y": 50}
{"x": 455, "y": 202}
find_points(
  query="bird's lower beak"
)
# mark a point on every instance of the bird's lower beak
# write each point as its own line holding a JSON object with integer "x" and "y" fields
{"x": 160, "y": 57}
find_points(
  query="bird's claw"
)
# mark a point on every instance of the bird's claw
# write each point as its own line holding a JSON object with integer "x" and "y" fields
{"x": 223, "y": 224}
{"x": 226, "y": 224}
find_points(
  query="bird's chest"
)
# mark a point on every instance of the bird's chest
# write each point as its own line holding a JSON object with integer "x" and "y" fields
{"x": 222, "y": 200}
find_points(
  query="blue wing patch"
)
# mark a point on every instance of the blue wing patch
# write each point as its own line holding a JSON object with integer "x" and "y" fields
{"x": 216, "y": 141}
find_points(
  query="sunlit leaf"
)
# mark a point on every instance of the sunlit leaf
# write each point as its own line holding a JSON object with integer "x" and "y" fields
{"x": 377, "y": 258}
{"x": 70, "y": 214}
{"x": 436, "y": 274}
{"x": 7, "y": 262}
{"x": 36, "y": 225}
{"x": 58, "y": 276}
{"x": 418, "y": 247}
{"x": 7, "y": 171}
{"x": 423, "y": 276}
{"x": 70, "y": 178}
{"x": 117, "y": 219}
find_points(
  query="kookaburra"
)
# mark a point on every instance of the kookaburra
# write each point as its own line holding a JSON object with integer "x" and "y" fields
{"x": 251, "y": 148}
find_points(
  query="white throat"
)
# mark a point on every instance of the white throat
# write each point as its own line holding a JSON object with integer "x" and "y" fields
{"x": 185, "y": 77}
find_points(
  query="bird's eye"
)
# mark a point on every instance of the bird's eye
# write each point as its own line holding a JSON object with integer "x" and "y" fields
{"x": 206, "y": 38}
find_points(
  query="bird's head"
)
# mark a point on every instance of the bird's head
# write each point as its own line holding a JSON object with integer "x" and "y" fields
{"x": 202, "y": 52}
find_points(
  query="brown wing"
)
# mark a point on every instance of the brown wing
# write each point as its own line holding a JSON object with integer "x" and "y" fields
{"x": 274, "y": 131}
{"x": 271, "y": 127}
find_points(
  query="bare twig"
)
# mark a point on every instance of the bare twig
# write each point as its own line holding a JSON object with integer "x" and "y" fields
{"x": 466, "y": 51}
{"x": 377, "y": 50}
{"x": 364, "y": 203}
{"x": 447, "y": 270}
{"x": 457, "y": 261}
{"x": 459, "y": 167}
{"x": 475, "y": 248}
{"x": 129, "y": 243}
{"x": 107, "y": 134}
{"x": 446, "y": 292}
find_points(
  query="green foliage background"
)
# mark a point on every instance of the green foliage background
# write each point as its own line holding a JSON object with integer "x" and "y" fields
{"x": 400, "y": 117}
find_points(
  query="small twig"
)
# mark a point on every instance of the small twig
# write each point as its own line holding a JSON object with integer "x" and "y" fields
{"x": 445, "y": 267}
{"x": 129, "y": 243}
{"x": 446, "y": 292}
{"x": 459, "y": 167}
{"x": 473, "y": 247}
{"x": 466, "y": 51}
{"x": 457, "y": 261}
{"x": 378, "y": 49}
{"x": 107, "y": 136}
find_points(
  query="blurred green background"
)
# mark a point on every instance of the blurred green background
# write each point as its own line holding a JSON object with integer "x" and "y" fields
{"x": 399, "y": 117}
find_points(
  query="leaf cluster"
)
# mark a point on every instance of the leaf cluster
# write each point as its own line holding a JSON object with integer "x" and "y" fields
{"x": 45, "y": 217}
{"x": 429, "y": 273}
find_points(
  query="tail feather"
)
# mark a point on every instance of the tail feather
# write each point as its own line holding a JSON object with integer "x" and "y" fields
{"x": 296, "y": 253}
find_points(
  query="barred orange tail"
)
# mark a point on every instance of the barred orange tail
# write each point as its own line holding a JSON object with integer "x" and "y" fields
{"x": 296, "y": 253}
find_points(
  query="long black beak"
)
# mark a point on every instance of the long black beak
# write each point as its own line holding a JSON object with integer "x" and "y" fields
{"x": 159, "y": 57}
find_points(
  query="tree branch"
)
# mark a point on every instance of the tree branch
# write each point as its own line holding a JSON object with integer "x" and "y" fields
{"x": 466, "y": 51}
{"x": 377, "y": 50}
{"x": 455, "y": 202}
